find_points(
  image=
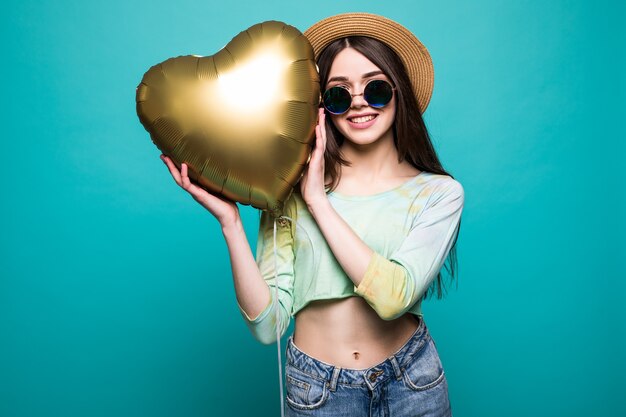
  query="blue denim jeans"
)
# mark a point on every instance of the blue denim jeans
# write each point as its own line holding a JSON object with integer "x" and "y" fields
{"x": 409, "y": 383}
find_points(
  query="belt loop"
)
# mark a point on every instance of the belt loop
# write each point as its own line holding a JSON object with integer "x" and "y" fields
{"x": 396, "y": 367}
{"x": 288, "y": 353}
{"x": 334, "y": 378}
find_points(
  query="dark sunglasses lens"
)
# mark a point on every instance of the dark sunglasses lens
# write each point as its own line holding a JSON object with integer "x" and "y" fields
{"x": 378, "y": 93}
{"x": 337, "y": 100}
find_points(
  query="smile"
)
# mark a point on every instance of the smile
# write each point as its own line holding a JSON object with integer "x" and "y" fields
{"x": 362, "y": 122}
{"x": 362, "y": 119}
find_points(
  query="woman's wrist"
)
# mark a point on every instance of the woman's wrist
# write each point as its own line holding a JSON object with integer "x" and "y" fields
{"x": 318, "y": 206}
{"x": 230, "y": 227}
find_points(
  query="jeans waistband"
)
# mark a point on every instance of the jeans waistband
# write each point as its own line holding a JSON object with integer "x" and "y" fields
{"x": 372, "y": 376}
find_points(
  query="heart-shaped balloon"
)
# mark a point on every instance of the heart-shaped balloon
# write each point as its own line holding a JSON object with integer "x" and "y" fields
{"x": 243, "y": 120}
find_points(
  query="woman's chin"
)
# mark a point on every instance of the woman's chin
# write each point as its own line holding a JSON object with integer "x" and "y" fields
{"x": 365, "y": 136}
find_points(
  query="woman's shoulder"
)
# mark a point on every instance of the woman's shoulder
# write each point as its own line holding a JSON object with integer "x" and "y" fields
{"x": 292, "y": 202}
{"x": 441, "y": 185}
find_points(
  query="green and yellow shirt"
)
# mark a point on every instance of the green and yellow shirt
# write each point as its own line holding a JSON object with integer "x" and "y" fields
{"x": 410, "y": 228}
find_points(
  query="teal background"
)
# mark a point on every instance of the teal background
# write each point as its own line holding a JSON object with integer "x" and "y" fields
{"x": 116, "y": 297}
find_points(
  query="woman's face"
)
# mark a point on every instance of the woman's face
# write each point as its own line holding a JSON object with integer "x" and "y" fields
{"x": 361, "y": 124}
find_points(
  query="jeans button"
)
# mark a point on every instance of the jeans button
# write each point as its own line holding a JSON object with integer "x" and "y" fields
{"x": 375, "y": 375}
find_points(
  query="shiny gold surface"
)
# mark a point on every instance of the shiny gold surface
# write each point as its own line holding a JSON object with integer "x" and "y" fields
{"x": 243, "y": 119}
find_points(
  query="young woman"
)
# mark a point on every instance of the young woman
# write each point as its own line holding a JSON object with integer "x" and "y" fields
{"x": 377, "y": 216}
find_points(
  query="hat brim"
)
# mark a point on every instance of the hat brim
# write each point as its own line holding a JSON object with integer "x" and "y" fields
{"x": 413, "y": 53}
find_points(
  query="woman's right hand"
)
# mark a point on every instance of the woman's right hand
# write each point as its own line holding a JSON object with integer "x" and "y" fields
{"x": 224, "y": 210}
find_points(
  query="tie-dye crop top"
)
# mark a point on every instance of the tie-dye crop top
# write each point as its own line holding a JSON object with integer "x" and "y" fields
{"x": 410, "y": 228}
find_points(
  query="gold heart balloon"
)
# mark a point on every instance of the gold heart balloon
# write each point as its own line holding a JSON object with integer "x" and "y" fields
{"x": 243, "y": 120}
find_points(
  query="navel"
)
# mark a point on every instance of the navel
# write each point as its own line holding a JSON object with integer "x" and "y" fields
{"x": 356, "y": 355}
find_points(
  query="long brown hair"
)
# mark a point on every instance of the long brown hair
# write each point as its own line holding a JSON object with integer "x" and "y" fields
{"x": 410, "y": 135}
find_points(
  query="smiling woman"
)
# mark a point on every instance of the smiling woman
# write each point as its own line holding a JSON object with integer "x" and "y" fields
{"x": 361, "y": 121}
{"x": 377, "y": 217}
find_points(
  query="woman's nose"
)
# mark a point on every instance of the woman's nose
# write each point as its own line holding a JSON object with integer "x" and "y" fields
{"x": 358, "y": 100}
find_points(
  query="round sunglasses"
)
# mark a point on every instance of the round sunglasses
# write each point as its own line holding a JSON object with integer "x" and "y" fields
{"x": 377, "y": 93}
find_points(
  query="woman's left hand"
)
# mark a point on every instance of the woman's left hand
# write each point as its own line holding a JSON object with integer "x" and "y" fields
{"x": 312, "y": 181}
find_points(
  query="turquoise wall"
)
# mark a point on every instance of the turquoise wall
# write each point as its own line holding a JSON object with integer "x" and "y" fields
{"x": 116, "y": 297}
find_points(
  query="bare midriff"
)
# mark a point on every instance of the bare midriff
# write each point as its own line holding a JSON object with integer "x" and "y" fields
{"x": 348, "y": 333}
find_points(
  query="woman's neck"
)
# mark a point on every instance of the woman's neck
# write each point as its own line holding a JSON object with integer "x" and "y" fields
{"x": 375, "y": 160}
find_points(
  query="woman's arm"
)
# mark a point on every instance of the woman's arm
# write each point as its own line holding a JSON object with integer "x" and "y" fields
{"x": 276, "y": 264}
{"x": 252, "y": 291}
{"x": 351, "y": 252}
{"x": 390, "y": 285}
{"x": 349, "y": 249}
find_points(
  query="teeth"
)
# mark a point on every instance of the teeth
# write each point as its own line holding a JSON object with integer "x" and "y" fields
{"x": 362, "y": 119}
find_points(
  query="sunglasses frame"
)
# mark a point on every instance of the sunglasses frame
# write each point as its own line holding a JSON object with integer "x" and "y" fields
{"x": 361, "y": 94}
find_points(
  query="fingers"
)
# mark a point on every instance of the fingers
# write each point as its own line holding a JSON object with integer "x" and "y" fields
{"x": 181, "y": 177}
{"x": 187, "y": 185}
{"x": 320, "y": 136}
{"x": 323, "y": 129}
{"x": 184, "y": 176}
{"x": 316, "y": 151}
{"x": 220, "y": 206}
{"x": 173, "y": 170}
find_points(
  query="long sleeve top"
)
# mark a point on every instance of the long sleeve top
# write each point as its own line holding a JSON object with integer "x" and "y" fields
{"x": 410, "y": 228}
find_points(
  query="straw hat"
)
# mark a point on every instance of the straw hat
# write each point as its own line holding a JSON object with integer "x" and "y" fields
{"x": 413, "y": 53}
